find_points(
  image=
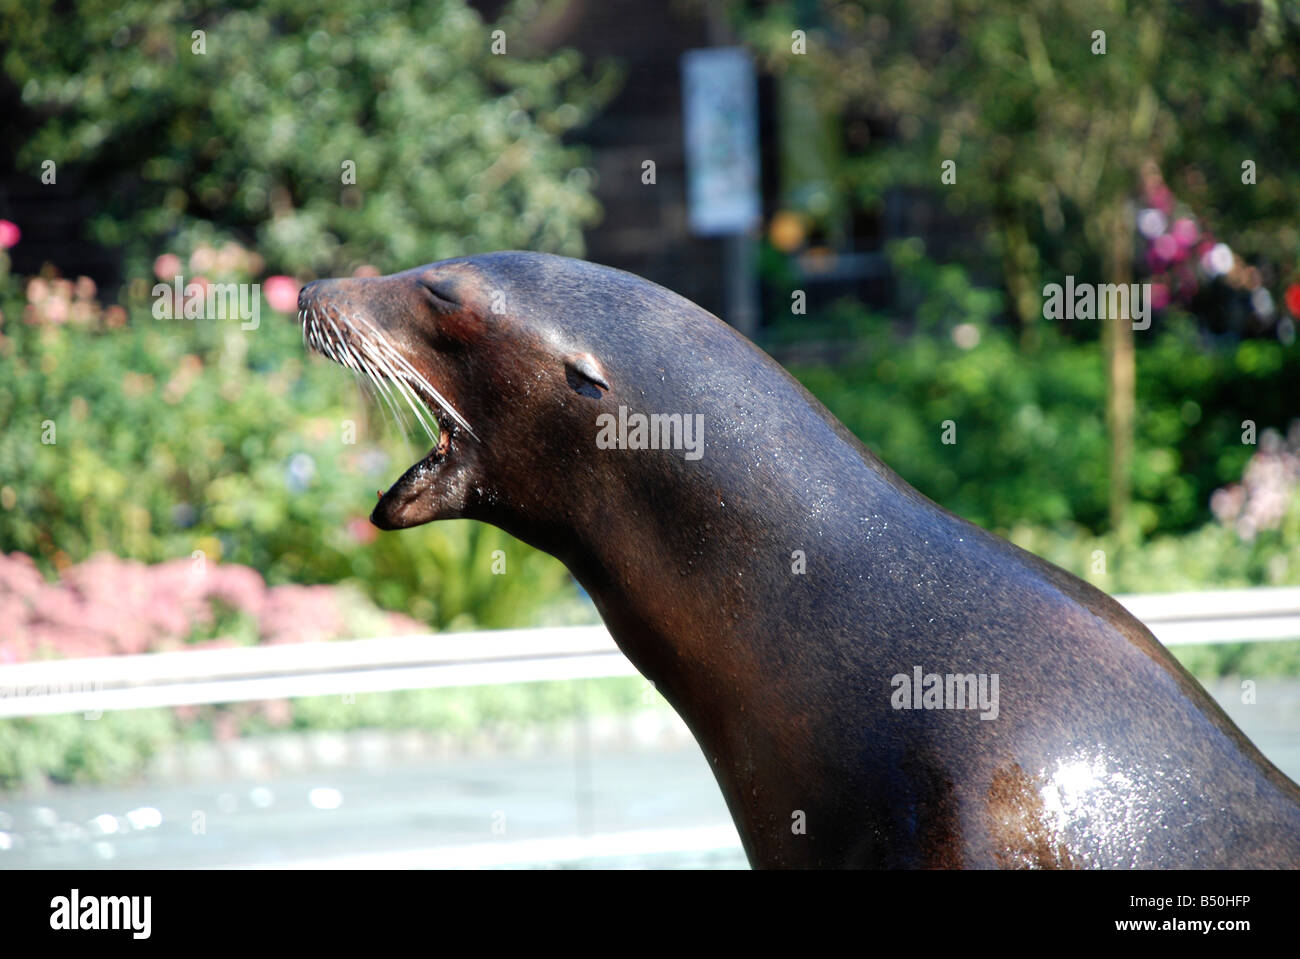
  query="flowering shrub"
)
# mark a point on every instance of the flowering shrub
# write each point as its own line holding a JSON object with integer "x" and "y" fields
{"x": 1188, "y": 266}
{"x": 1269, "y": 492}
{"x": 108, "y": 605}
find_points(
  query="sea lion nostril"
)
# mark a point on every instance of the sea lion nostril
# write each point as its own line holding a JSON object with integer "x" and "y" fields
{"x": 308, "y": 294}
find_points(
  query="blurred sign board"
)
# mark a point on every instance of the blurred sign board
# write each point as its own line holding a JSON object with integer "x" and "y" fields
{"x": 720, "y": 108}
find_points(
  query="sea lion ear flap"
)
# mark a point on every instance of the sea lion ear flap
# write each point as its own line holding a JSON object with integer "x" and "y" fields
{"x": 585, "y": 375}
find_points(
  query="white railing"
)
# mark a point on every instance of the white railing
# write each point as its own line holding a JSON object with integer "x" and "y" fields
{"x": 1219, "y": 616}
{"x": 486, "y": 658}
{"x": 309, "y": 669}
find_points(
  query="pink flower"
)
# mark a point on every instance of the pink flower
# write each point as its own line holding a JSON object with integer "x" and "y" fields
{"x": 361, "y": 529}
{"x": 225, "y": 727}
{"x": 106, "y": 605}
{"x": 1159, "y": 296}
{"x": 1185, "y": 232}
{"x": 278, "y": 712}
{"x": 9, "y": 234}
{"x": 167, "y": 266}
{"x": 282, "y": 293}
{"x": 1167, "y": 248}
{"x": 1160, "y": 197}
{"x": 400, "y": 623}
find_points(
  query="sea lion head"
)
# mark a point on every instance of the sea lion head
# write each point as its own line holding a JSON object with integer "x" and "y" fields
{"x": 514, "y": 355}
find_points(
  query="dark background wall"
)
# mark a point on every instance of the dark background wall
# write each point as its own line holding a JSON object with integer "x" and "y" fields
{"x": 51, "y": 216}
{"x": 644, "y": 228}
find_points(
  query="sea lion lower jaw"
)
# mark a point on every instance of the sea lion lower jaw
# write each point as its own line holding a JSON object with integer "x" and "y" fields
{"x": 427, "y": 491}
{"x": 412, "y": 500}
{"x": 777, "y": 581}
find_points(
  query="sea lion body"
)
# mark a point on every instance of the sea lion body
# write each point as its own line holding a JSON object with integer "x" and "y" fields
{"x": 777, "y": 587}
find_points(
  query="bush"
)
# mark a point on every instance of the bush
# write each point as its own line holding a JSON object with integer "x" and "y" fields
{"x": 74, "y": 749}
{"x": 156, "y": 440}
{"x": 1031, "y": 435}
{"x": 107, "y": 606}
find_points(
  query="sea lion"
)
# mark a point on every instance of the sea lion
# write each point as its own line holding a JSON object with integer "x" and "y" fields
{"x": 822, "y": 627}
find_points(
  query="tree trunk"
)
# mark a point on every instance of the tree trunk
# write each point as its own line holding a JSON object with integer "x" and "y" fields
{"x": 1121, "y": 368}
{"x": 1026, "y": 304}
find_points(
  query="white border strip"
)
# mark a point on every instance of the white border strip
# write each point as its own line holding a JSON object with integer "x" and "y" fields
{"x": 529, "y": 852}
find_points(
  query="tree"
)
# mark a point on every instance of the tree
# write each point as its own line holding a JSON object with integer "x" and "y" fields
{"x": 381, "y": 133}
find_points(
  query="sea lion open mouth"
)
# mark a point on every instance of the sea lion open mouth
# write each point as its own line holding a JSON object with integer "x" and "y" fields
{"x": 352, "y": 341}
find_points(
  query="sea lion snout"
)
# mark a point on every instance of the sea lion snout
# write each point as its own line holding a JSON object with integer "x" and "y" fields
{"x": 382, "y": 329}
{"x": 385, "y": 302}
{"x": 307, "y": 295}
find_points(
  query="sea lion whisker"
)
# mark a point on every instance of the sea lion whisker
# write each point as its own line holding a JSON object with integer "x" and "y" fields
{"x": 391, "y": 366}
{"x": 419, "y": 380}
{"x": 341, "y": 344}
{"x": 337, "y": 348}
{"x": 378, "y": 388}
{"x": 365, "y": 345}
{"x": 384, "y": 393}
{"x": 327, "y": 346}
{"x": 424, "y": 412}
{"x": 404, "y": 390}
{"x": 381, "y": 373}
{"x": 364, "y": 376}
{"x": 322, "y": 339}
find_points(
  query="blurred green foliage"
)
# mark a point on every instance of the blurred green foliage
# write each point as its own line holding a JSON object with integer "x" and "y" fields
{"x": 118, "y": 746}
{"x": 1212, "y": 557}
{"x": 71, "y": 748}
{"x": 1241, "y": 659}
{"x": 472, "y": 709}
{"x": 457, "y": 150}
{"x": 1031, "y": 442}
